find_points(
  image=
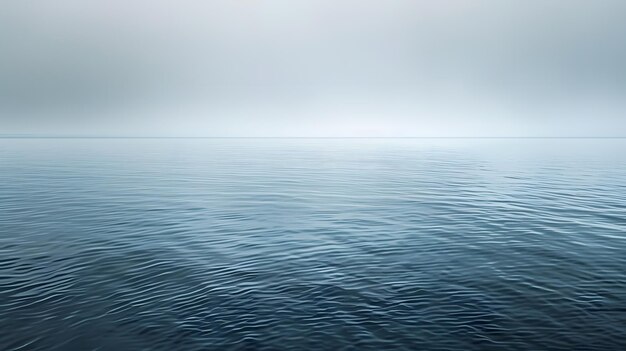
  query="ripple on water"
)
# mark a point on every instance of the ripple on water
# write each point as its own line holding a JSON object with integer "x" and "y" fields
{"x": 326, "y": 245}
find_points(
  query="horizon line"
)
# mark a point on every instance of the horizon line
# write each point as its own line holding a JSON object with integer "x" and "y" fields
{"x": 18, "y": 136}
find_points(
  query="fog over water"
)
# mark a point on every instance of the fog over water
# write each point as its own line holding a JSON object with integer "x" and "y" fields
{"x": 313, "y": 68}
{"x": 421, "y": 175}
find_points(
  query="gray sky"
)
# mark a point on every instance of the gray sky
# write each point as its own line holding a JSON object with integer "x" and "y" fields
{"x": 313, "y": 67}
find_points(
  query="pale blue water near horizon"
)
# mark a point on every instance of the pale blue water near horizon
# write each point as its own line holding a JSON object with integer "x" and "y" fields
{"x": 321, "y": 244}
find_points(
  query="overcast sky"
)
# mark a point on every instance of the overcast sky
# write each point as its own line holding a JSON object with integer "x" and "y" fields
{"x": 313, "y": 67}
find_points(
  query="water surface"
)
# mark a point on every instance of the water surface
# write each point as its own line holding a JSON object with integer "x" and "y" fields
{"x": 327, "y": 244}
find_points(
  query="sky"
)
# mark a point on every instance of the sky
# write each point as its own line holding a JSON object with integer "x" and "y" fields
{"x": 313, "y": 68}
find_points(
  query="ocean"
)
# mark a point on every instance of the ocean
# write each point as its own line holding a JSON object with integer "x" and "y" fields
{"x": 312, "y": 244}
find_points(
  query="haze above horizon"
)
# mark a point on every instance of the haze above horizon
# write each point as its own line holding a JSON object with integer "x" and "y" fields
{"x": 342, "y": 68}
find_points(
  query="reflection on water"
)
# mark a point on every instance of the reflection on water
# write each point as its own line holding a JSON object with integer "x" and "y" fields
{"x": 312, "y": 244}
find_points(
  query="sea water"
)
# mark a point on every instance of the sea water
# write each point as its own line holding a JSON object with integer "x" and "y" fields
{"x": 320, "y": 244}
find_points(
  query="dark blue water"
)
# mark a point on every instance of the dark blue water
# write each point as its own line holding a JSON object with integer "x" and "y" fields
{"x": 253, "y": 244}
